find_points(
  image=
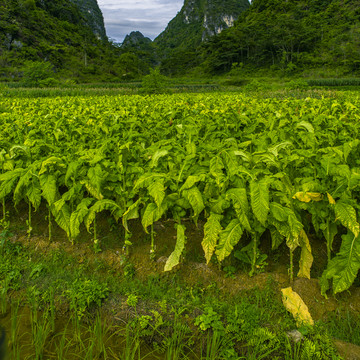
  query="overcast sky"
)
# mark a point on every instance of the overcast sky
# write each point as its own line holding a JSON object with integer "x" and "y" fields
{"x": 148, "y": 16}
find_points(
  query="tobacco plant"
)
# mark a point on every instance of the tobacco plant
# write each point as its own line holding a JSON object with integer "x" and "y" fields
{"x": 245, "y": 166}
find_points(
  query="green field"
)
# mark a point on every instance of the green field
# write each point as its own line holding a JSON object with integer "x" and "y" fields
{"x": 242, "y": 168}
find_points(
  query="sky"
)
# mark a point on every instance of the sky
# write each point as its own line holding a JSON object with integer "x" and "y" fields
{"x": 150, "y": 17}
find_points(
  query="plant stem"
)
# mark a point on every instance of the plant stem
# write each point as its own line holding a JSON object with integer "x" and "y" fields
{"x": 29, "y": 223}
{"x": 291, "y": 270}
{"x": 152, "y": 248}
{"x": 254, "y": 256}
{"x": 96, "y": 240}
{"x": 95, "y": 235}
{"x": 4, "y": 209}
{"x": 50, "y": 229}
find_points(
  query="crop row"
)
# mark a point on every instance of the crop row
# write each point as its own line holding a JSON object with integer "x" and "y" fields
{"x": 245, "y": 166}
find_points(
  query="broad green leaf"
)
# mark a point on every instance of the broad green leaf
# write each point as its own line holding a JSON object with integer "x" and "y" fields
{"x": 306, "y": 125}
{"x": 174, "y": 257}
{"x": 212, "y": 229}
{"x": 294, "y": 224}
{"x": 48, "y": 187}
{"x": 61, "y": 212}
{"x": 51, "y": 161}
{"x": 290, "y": 228}
{"x": 71, "y": 171}
{"x": 8, "y": 181}
{"x": 20, "y": 148}
{"x": 220, "y": 205}
{"x": 276, "y": 238}
{"x": 278, "y": 211}
{"x": 157, "y": 191}
{"x": 230, "y": 162}
{"x": 131, "y": 213}
{"x": 33, "y": 192}
{"x": 344, "y": 267}
{"x": 77, "y": 217}
{"x": 294, "y": 304}
{"x": 306, "y": 258}
{"x": 146, "y": 179}
{"x": 239, "y": 198}
{"x": 216, "y": 169}
{"x": 229, "y": 237}
{"x": 241, "y": 205}
{"x": 151, "y": 214}
{"x": 24, "y": 181}
{"x": 156, "y": 157}
{"x": 96, "y": 178}
{"x": 191, "y": 181}
{"x": 347, "y": 216}
{"x": 99, "y": 206}
{"x": 259, "y": 194}
{"x": 193, "y": 195}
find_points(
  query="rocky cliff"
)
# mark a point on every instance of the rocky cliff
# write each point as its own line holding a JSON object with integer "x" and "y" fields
{"x": 93, "y": 16}
{"x": 197, "y": 21}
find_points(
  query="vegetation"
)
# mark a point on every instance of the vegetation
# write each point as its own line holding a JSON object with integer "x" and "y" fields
{"x": 118, "y": 316}
{"x": 248, "y": 167}
{"x": 56, "y": 34}
{"x": 290, "y": 37}
{"x": 240, "y": 175}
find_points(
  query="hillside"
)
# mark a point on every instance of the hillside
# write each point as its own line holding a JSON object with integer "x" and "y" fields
{"x": 291, "y": 36}
{"x": 197, "y": 21}
{"x": 68, "y": 35}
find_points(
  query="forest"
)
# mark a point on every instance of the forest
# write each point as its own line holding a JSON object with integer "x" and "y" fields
{"x": 308, "y": 39}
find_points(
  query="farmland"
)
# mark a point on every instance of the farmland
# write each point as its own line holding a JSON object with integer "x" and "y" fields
{"x": 241, "y": 168}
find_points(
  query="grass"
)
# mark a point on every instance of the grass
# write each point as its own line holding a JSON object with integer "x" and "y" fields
{"x": 170, "y": 319}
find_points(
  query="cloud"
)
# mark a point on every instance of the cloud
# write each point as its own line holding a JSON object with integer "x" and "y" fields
{"x": 148, "y": 16}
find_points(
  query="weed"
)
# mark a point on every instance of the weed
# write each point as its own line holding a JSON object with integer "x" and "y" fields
{"x": 132, "y": 300}
{"x": 84, "y": 293}
{"x": 262, "y": 344}
{"x": 37, "y": 271}
{"x": 230, "y": 271}
{"x": 210, "y": 319}
{"x": 129, "y": 271}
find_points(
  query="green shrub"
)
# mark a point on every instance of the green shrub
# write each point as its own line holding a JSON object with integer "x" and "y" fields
{"x": 38, "y": 74}
{"x": 154, "y": 83}
{"x": 297, "y": 84}
{"x": 254, "y": 85}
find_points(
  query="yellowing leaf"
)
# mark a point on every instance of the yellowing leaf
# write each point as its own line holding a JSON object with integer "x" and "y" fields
{"x": 308, "y": 196}
{"x": 229, "y": 237}
{"x": 306, "y": 258}
{"x": 294, "y": 304}
{"x": 174, "y": 257}
{"x": 347, "y": 216}
{"x": 331, "y": 199}
{"x": 212, "y": 229}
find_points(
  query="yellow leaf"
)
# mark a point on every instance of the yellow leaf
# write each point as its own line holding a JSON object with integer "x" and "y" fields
{"x": 306, "y": 258}
{"x": 294, "y": 304}
{"x": 308, "y": 196}
{"x": 331, "y": 199}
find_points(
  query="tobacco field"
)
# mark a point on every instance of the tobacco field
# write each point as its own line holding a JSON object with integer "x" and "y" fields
{"x": 245, "y": 166}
